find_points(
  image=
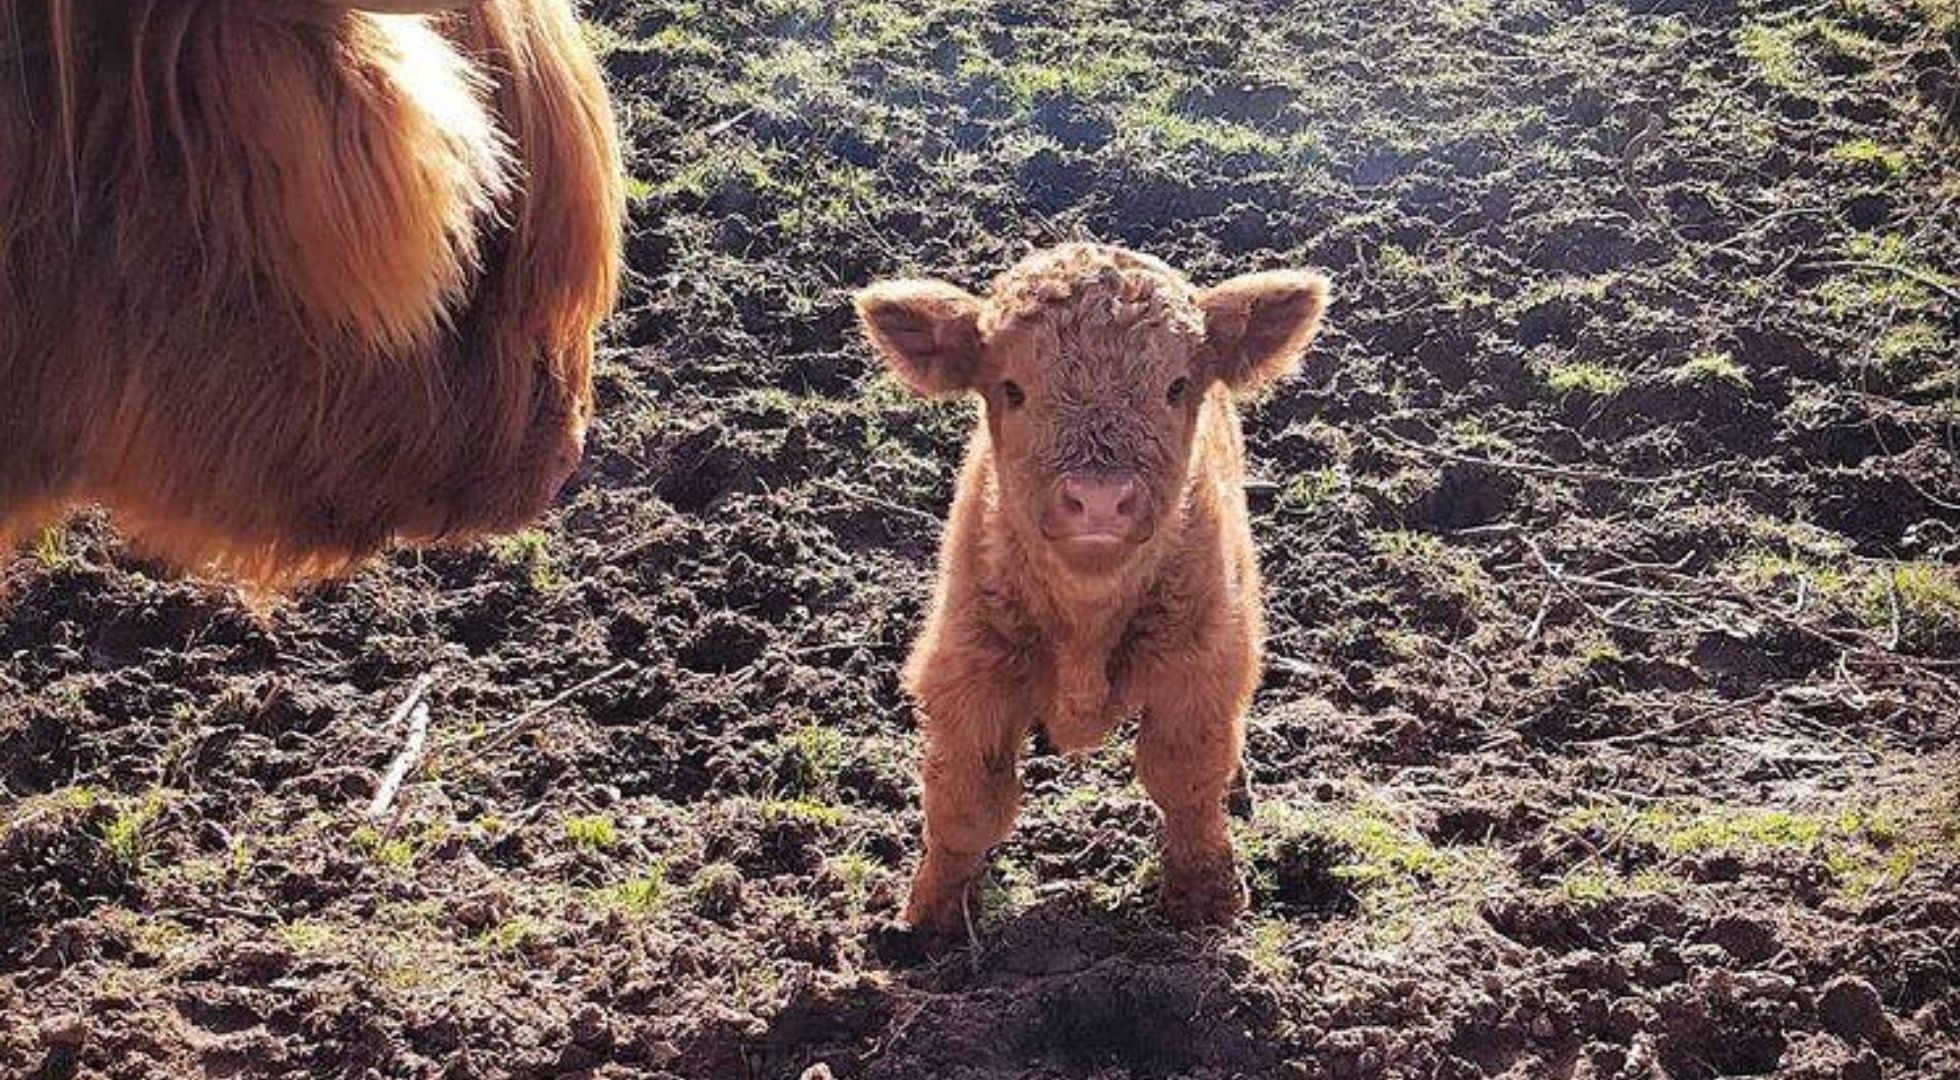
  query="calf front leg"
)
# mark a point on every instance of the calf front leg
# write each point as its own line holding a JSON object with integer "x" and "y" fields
{"x": 1187, "y": 755}
{"x": 975, "y": 723}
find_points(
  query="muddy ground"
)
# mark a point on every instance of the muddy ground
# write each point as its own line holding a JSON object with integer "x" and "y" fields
{"x": 1612, "y": 711}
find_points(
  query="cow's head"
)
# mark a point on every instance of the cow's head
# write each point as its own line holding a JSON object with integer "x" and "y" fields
{"x": 1095, "y": 365}
{"x": 358, "y": 251}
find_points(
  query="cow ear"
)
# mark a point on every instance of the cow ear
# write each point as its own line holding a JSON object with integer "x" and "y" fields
{"x": 1258, "y": 326}
{"x": 927, "y": 332}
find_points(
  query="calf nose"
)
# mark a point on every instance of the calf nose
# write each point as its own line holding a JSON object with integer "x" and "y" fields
{"x": 1099, "y": 504}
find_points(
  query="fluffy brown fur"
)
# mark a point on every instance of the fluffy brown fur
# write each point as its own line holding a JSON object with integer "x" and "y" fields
{"x": 1092, "y": 362}
{"x": 281, "y": 283}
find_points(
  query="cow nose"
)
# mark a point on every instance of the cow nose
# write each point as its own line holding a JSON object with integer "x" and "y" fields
{"x": 1099, "y": 504}
{"x": 565, "y": 463}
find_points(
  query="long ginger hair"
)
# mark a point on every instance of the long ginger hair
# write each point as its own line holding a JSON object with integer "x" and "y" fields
{"x": 283, "y": 281}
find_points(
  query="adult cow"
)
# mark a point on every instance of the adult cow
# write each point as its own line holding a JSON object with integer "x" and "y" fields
{"x": 285, "y": 280}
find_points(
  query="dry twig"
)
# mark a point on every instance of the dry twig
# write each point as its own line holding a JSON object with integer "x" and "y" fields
{"x": 1912, "y": 272}
{"x": 415, "y": 712}
{"x": 1560, "y": 471}
{"x": 873, "y": 500}
{"x": 498, "y": 736}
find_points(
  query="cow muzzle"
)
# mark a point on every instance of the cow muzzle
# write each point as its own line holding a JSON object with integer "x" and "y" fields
{"x": 571, "y": 452}
{"x": 1093, "y": 520}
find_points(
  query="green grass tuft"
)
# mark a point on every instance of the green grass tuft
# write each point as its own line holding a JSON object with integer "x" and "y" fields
{"x": 510, "y": 936}
{"x": 593, "y": 831}
{"x": 528, "y": 553}
{"x": 1859, "y": 850}
{"x": 810, "y": 810}
{"x": 641, "y": 896}
{"x": 1915, "y": 354}
{"x": 1267, "y": 944}
{"x": 395, "y": 853}
{"x": 1870, "y": 154}
{"x": 1401, "y": 882}
{"x": 126, "y": 835}
{"x": 1773, "y": 50}
{"x": 306, "y": 936}
{"x": 1593, "y": 380}
{"x": 858, "y": 872}
{"x": 812, "y": 755}
{"x": 1712, "y": 369}
{"x": 1440, "y": 566}
{"x": 1591, "y": 886}
{"x": 1921, "y": 598}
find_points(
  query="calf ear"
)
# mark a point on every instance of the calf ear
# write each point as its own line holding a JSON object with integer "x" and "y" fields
{"x": 927, "y": 332}
{"x": 1258, "y": 326}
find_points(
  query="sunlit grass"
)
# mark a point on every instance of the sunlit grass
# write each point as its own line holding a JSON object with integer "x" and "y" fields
{"x": 1401, "y": 883}
{"x": 595, "y": 832}
{"x": 1860, "y": 850}
{"x": 1584, "y": 378}
{"x": 1713, "y": 369}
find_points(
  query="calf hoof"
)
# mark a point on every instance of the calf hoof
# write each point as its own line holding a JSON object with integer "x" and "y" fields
{"x": 1211, "y": 895}
{"x": 898, "y": 945}
{"x": 937, "y": 904}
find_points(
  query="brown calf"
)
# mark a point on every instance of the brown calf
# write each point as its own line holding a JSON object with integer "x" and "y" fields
{"x": 1098, "y": 564}
{"x": 282, "y": 280}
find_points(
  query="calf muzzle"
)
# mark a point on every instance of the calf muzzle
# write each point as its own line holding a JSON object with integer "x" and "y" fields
{"x": 1096, "y": 517}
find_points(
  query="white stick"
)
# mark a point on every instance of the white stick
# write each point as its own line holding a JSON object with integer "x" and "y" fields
{"x": 416, "y": 714}
{"x": 418, "y": 733}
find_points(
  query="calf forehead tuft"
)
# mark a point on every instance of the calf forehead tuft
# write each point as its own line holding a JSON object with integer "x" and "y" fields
{"x": 1095, "y": 288}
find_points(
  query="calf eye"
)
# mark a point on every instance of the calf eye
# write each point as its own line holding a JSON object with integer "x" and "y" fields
{"x": 1011, "y": 390}
{"x": 1177, "y": 391}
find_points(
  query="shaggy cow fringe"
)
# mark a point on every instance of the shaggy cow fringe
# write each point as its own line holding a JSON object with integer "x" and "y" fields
{"x": 281, "y": 282}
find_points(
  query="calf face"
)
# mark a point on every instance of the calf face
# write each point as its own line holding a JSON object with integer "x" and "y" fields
{"x": 1097, "y": 564}
{"x": 1094, "y": 364}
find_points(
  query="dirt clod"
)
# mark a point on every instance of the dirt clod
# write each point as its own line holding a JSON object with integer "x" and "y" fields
{"x": 64, "y": 1031}
{"x": 1851, "y": 1009}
